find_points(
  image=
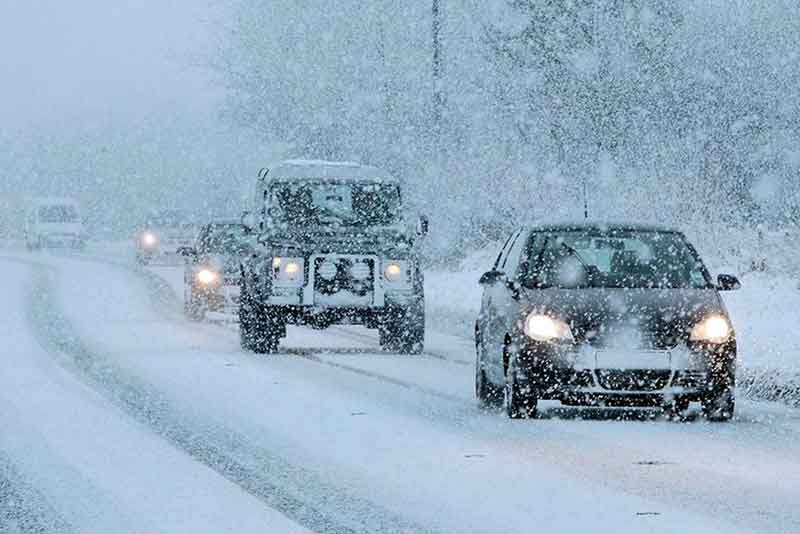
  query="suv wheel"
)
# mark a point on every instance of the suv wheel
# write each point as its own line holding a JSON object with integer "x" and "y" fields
{"x": 520, "y": 403}
{"x": 403, "y": 330}
{"x": 260, "y": 330}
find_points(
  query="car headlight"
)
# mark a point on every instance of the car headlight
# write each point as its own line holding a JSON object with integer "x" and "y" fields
{"x": 545, "y": 328}
{"x": 397, "y": 273}
{"x": 207, "y": 277}
{"x": 712, "y": 329}
{"x": 149, "y": 239}
{"x": 287, "y": 271}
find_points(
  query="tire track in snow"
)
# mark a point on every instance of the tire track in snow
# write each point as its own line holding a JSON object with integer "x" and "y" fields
{"x": 303, "y": 496}
{"x": 22, "y": 509}
{"x": 713, "y": 493}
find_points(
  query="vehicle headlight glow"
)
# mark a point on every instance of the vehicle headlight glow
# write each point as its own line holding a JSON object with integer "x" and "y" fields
{"x": 149, "y": 239}
{"x": 712, "y": 329}
{"x": 207, "y": 276}
{"x": 545, "y": 328}
{"x": 287, "y": 271}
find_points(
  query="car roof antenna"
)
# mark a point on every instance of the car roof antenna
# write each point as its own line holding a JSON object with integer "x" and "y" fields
{"x": 585, "y": 201}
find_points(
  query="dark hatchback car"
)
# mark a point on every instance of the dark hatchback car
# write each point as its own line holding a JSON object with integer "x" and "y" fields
{"x": 212, "y": 274}
{"x": 604, "y": 315}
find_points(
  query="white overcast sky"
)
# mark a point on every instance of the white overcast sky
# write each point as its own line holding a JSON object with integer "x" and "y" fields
{"x": 67, "y": 60}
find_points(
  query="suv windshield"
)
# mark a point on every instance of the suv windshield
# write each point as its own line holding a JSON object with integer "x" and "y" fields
{"x": 224, "y": 239}
{"x": 58, "y": 214}
{"x": 350, "y": 204}
{"x": 619, "y": 259}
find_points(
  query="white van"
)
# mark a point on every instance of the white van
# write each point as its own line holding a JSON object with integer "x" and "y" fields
{"x": 54, "y": 222}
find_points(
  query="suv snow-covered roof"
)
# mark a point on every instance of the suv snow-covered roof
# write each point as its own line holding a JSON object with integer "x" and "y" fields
{"x": 315, "y": 170}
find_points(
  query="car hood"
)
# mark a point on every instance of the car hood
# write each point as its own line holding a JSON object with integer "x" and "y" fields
{"x": 636, "y": 318}
{"x": 344, "y": 240}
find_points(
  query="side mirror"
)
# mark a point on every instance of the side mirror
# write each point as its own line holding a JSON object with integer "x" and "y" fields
{"x": 491, "y": 277}
{"x": 728, "y": 282}
{"x": 248, "y": 220}
{"x": 422, "y": 226}
{"x": 515, "y": 287}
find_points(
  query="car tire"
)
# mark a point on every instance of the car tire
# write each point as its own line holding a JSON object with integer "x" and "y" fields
{"x": 519, "y": 404}
{"x": 676, "y": 408}
{"x": 488, "y": 395}
{"x": 719, "y": 403}
{"x": 192, "y": 308}
{"x": 403, "y": 330}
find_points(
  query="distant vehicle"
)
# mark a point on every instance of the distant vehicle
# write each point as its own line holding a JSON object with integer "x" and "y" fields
{"x": 212, "y": 274}
{"x": 162, "y": 234}
{"x": 604, "y": 315}
{"x": 54, "y": 222}
{"x": 335, "y": 247}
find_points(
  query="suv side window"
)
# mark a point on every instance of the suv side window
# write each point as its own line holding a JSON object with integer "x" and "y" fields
{"x": 500, "y": 261}
{"x": 511, "y": 262}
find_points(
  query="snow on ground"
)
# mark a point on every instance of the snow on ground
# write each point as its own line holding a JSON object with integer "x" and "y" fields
{"x": 430, "y": 455}
{"x": 334, "y": 435}
{"x": 90, "y": 468}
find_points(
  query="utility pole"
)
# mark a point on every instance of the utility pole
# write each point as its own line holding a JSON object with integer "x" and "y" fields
{"x": 438, "y": 96}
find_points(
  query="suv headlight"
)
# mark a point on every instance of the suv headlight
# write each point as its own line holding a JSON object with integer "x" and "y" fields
{"x": 207, "y": 277}
{"x": 712, "y": 329}
{"x": 288, "y": 271}
{"x": 545, "y": 328}
{"x": 397, "y": 274}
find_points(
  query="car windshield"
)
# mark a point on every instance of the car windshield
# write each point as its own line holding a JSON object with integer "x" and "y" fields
{"x": 170, "y": 220}
{"x": 225, "y": 239}
{"x": 616, "y": 259}
{"x": 359, "y": 204}
{"x": 58, "y": 214}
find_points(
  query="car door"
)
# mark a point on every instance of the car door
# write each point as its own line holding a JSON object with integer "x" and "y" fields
{"x": 494, "y": 313}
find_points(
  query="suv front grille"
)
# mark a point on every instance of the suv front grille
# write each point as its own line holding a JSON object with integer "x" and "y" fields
{"x": 334, "y": 275}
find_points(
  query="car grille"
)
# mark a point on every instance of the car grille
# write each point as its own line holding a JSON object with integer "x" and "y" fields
{"x": 333, "y": 275}
{"x": 633, "y": 380}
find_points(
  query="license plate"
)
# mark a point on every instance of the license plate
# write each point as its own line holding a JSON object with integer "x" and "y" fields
{"x": 620, "y": 359}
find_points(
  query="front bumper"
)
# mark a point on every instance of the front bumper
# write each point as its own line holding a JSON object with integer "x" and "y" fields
{"x": 581, "y": 375}
{"x": 61, "y": 240}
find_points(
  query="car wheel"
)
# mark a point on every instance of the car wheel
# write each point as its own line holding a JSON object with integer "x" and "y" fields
{"x": 719, "y": 402}
{"x": 719, "y": 406}
{"x": 676, "y": 408}
{"x": 488, "y": 395}
{"x": 520, "y": 404}
{"x": 192, "y": 308}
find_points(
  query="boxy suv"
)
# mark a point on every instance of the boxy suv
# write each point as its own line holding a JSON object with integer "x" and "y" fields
{"x": 334, "y": 247}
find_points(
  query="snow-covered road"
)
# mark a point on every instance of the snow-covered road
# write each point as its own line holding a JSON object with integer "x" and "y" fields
{"x": 119, "y": 416}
